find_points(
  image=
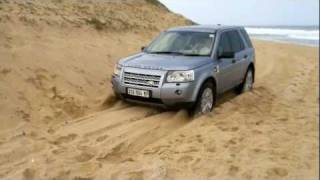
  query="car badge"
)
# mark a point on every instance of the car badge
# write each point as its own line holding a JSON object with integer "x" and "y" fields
{"x": 150, "y": 82}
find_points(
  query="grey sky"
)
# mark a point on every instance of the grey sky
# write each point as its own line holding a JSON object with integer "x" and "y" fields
{"x": 248, "y": 12}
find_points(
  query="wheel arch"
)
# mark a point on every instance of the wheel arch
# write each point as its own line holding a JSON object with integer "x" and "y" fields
{"x": 208, "y": 79}
{"x": 199, "y": 89}
{"x": 212, "y": 79}
{"x": 203, "y": 75}
{"x": 251, "y": 66}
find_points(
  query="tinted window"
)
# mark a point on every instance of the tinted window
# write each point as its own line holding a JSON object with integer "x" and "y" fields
{"x": 224, "y": 44}
{"x": 246, "y": 37}
{"x": 236, "y": 41}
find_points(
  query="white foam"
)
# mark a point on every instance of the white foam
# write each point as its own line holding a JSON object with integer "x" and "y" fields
{"x": 288, "y": 33}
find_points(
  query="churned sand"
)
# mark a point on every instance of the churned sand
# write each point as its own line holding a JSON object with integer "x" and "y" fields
{"x": 59, "y": 119}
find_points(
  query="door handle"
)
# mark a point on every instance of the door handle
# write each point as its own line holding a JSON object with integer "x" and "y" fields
{"x": 245, "y": 56}
{"x": 233, "y": 61}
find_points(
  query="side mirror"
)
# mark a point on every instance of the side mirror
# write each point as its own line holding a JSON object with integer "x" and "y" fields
{"x": 143, "y": 48}
{"x": 225, "y": 54}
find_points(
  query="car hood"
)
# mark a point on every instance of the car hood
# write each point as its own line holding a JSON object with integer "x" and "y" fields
{"x": 164, "y": 62}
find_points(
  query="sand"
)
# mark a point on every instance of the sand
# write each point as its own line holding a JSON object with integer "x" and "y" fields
{"x": 60, "y": 120}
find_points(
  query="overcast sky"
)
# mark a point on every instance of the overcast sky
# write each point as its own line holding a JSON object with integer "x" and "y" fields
{"x": 248, "y": 12}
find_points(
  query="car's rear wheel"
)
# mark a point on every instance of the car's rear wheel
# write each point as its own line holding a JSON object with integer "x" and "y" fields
{"x": 205, "y": 100}
{"x": 247, "y": 83}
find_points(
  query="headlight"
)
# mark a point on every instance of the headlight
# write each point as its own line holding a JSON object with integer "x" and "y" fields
{"x": 117, "y": 70}
{"x": 180, "y": 76}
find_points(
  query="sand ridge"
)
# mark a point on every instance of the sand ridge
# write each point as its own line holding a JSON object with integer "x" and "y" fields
{"x": 60, "y": 120}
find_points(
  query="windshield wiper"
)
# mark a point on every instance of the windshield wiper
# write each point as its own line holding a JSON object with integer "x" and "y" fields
{"x": 194, "y": 55}
{"x": 166, "y": 52}
{"x": 177, "y": 53}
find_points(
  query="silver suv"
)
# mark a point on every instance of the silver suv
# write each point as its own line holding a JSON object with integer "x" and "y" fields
{"x": 188, "y": 67}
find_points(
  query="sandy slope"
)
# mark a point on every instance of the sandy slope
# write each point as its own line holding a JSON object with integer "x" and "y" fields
{"x": 57, "y": 57}
{"x": 56, "y": 123}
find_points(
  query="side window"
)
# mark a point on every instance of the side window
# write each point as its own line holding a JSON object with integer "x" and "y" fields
{"x": 246, "y": 37}
{"x": 236, "y": 41}
{"x": 224, "y": 43}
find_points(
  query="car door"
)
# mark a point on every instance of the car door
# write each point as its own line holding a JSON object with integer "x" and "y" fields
{"x": 240, "y": 57}
{"x": 224, "y": 65}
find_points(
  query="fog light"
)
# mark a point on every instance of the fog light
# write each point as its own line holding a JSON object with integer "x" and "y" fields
{"x": 178, "y": 92}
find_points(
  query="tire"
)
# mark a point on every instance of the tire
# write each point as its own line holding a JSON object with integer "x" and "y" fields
{"x": 247, "y": 83}
{"x": 205, "y": 100}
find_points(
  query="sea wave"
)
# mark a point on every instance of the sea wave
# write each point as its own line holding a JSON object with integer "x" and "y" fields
{"x": 289, "y": 33}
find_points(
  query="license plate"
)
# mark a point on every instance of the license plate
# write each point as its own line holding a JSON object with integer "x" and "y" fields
{"x": 138, "y": 92}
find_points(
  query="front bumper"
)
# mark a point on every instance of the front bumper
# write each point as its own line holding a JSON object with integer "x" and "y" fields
{"x": 172, "y": 95}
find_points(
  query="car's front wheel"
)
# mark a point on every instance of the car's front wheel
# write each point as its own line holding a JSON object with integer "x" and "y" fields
{"x": 205, "y": 100}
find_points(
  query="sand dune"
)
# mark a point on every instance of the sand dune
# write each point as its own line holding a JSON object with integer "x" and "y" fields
{"x": 60, "y": 120}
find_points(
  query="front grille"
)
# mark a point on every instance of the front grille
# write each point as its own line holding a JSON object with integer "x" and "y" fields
{"x": 145, "y": 80}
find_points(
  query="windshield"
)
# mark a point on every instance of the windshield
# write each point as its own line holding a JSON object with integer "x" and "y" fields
{"x": 183, "y": 43}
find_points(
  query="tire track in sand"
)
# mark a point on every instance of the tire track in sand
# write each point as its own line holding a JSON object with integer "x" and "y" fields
{"x": 136, "y": 136}
{"x": 64, "y": 142}
{"x": 101, "y": 140}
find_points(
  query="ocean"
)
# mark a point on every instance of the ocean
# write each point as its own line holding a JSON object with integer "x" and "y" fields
{"x": 304, "y": 35}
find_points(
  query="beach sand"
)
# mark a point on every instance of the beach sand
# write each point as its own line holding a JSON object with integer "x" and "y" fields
{"x": 60, "y": 120}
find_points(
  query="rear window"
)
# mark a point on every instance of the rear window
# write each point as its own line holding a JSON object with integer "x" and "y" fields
{"x": 246, "y": 38}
